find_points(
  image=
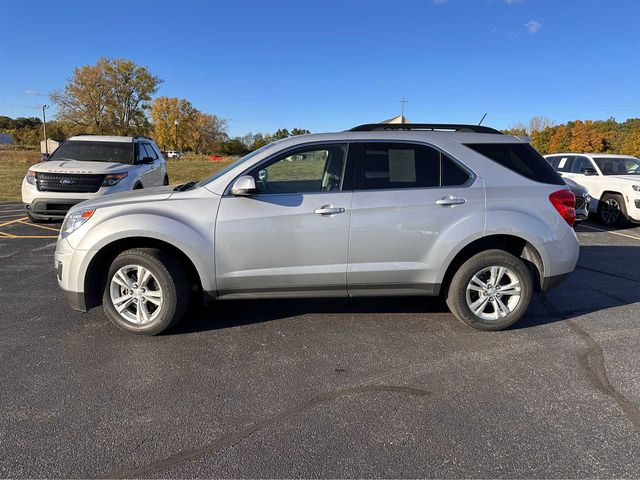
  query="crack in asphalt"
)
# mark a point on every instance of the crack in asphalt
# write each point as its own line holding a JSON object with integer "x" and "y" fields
{"x": 593, "y": 360}
{"x": 230, "y": 440}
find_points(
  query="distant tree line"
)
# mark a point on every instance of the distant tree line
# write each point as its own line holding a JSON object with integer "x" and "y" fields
{"x": 588, "y": 136}
{"x": 116, "y": 97}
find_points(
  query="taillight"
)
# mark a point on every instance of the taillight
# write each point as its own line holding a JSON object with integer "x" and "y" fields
{"x": 564, "y": 202}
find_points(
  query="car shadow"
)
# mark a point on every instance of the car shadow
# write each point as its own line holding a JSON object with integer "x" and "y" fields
{"x": 605, "y": 277}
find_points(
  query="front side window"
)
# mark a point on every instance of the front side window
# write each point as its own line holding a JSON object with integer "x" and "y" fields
{"x": 580, "y": 164}
{"x": 310, "y": 169}
{"x": 150, "y": 151}
{"x": 618, "y": 165}
{"x": 120, "y": 152}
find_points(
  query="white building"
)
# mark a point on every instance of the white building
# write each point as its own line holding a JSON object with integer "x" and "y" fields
{"x": 51, "y": 144}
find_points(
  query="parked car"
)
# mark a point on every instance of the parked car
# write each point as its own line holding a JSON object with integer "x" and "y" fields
{"x": 174, "y": 154}
{"x": 90, "y": 166}
{"x": 582, "y": 199}
{"x": 613, "y": 181}
{"x": 454, "y": 210}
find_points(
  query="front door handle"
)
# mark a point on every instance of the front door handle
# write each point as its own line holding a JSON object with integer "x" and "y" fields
{"x": 329, "y": 210}
{"x": 450, "y": 200}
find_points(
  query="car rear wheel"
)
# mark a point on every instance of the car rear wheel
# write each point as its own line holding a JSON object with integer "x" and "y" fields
{"x": 612, "y": 210}
{"x": 490, "y": 291}
{"x": 147, "y": 291}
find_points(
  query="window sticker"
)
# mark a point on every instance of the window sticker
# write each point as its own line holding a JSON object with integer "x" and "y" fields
{"x": 563, "y": 162}
{"x": 402, "y": 166}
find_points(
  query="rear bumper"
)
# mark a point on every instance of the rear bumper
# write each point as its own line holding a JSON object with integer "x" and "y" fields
{"x": 551, "y": 282}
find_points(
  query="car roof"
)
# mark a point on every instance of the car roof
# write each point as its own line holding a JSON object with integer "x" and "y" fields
{"x": 107, "y": 138}
{"x": 599, "y": 155}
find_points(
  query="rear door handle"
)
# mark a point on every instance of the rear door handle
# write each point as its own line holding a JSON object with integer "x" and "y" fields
{"x": 329, "y": 210}
{"x": 450, "y": 200}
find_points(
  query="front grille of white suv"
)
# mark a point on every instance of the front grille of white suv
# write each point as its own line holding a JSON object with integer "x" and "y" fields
{"x": 68, "y": 182}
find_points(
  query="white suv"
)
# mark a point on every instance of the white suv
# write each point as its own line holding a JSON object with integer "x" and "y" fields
{"x": 89, "y": 166}
{"x": 613, "y": 181}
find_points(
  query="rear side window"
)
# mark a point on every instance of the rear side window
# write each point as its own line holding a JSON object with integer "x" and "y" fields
{"x": 521, "y": 158}
{"x": 452, "y": 173}
{"x": 398, "y": 165}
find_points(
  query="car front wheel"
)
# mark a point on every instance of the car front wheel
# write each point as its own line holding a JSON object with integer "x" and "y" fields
{"x": 147, "y": 291}
{"x": 612, "y": 210}
{"x": 490, "y": 291}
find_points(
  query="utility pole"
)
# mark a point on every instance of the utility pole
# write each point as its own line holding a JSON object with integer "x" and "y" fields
{"x": 175, "y": 122}
{"x": 44, "y": 127}
{"x": 402, "y": 102}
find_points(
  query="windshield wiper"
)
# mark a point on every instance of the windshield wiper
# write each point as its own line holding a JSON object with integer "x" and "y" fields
{"x": 184, "y": 187}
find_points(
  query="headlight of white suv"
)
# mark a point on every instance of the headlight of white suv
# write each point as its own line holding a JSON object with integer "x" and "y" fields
{"x": 31, "y": 177}
{"x": 114, "y": 179}
{"x": 75, "y": 220}
{"x": 636, "y": 187}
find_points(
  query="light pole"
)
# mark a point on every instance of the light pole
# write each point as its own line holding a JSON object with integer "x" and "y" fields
{"x": 44, "y": 127}
{"x": 175, "y": 122}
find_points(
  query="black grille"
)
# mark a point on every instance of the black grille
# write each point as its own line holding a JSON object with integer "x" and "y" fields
{"x": 579, "y": 202}
{"x": 68, "y": 182}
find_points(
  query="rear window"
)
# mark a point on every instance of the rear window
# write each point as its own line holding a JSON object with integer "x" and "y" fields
{"x": 521, "y": 158}
{"x": 121, "y": 152}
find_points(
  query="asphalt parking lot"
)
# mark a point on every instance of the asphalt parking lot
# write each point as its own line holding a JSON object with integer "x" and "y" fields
{"x": 374, "y": 388}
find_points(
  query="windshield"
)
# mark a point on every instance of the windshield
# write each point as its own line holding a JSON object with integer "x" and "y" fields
{"x": 618, "y": 166}
{"x": 230, "y": 167}
{"x": 120, "y": 152}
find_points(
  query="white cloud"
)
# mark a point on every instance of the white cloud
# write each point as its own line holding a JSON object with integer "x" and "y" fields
{"x": 533, "y": 26}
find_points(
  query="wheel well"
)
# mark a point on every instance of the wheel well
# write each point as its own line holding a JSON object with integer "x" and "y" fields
{"x": 137, "y": 186}
{"x": 96, "y": 276}
{"x": 516, "y": 246}
{"x": 611, "y": 192}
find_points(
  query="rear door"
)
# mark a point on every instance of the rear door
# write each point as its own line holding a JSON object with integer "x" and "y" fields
{"x": 407, "y": 196}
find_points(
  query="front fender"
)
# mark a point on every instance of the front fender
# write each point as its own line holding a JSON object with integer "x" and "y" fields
{"x": 194, "y": 239}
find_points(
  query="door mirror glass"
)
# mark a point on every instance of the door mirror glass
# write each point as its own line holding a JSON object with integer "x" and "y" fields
{"x": 589, "y": 171}
{"x": 147, "y": 160}
{"x": 245, "y": 185}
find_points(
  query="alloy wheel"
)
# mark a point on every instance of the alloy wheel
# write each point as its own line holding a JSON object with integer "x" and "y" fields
{"x": 610, "y": 211}
{"x": 136, "y": 294}
{"x": 493, "y": 293}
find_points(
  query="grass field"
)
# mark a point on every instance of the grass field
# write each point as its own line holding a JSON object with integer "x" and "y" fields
{"x": 14, "y": 165}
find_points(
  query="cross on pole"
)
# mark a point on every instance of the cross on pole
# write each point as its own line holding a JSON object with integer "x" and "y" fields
{"x": 402, "y": 102}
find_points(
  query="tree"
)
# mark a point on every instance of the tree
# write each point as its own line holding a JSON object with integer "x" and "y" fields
{"x": 110, "y": 97}
{"x": 164, "y": 112}
{"x": 206, "y": 133}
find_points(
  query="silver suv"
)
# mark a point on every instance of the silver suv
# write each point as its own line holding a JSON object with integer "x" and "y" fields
{"x": 454, "y": 210}
{"x": 90, "y": 166}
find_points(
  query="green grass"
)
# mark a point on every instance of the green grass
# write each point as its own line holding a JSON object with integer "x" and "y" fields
{"x": 14, "y": 165}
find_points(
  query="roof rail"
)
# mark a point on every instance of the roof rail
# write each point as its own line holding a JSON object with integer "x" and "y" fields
{"x": 370, "y": 127}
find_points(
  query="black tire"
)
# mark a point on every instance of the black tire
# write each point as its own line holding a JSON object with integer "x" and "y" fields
{"x": 171, "y": 279}
{"x": 166, "y": 180}
{"x": 612, "y": 210}
{"x": 457, "y": 293}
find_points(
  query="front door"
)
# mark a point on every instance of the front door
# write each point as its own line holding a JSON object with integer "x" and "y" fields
{"x": 290, "y": 238}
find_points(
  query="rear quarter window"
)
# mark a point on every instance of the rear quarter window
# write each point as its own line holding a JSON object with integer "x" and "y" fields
{"x": 520, "y": 158}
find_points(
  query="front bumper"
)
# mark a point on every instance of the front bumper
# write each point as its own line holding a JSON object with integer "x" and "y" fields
{"x": 51, "y": 208}
{"x": 70, "y": 265}
{"x": 76, "y": 300}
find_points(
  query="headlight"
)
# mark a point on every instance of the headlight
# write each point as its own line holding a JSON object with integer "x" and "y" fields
{"x": 31, "y": 177}
{"x": 636, "y": 187}
{"x": 75, "y": 220}
{"x": 111, "y": 180}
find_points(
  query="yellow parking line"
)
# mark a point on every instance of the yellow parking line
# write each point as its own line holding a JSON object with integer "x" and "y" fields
{"x": 40, "y": 226}
{"x": 6, "y": 234}
{"x": 609, "y": 231}
{"x": 12, "y": 221}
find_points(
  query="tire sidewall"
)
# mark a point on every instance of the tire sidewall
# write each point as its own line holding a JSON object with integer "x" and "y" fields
{"x": 622, "y": 218}
{"x": 456, "y": 297}
{"x": 166, "y": 283}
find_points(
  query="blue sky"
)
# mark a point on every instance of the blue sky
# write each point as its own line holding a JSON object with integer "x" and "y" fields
{"x": 328, "y": 65}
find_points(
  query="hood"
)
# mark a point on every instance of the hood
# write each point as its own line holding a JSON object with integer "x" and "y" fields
{"x": 134, "y": 196}
{"x": 78, "y": 166}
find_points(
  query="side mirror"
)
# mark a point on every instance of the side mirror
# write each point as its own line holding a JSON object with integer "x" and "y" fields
{"x": 589, "y": 171}
{"x": 147, "y": 160}
{"x": 243, "y": 186}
